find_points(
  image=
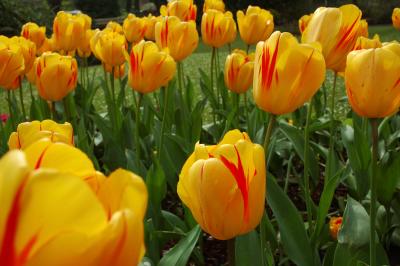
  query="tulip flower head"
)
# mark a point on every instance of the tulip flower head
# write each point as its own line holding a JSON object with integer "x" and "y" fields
{"x": 56, "y": 75}
{"x": 365, "y": 43}
{"x": 239, "y": 68}
{"x": 34, "y": 33}
{"x": 217, "y": 28}
{"x": 115, "y": 27}
{"x": 11, "y": 62}
{"x": 185, "y": 10}
{"x": 396, "y": 18}
{"x": 150, "y": 21}
{"x": 303, "y": 22}
{"x": 286, "y": 73}
{"x": 84, "y": 50}
{"x": 109, "y": 47}
{"x": 256, "y": 25}
{"x": 363, "y": 29}
{"x": 179, "y": 38}
{"x": 214, "y": 4}
{"x": 337, "y": 30}
{"x": 29, "y": 132}
{"x": 28, "y": 50}
{"x": 224, "y": 185}
{"x": 372, "y": 80}
{"x": 134, "y": 28}
{"x": 334, "y": 226}
{"x": 149, "y": 68}
{"x": 48, "y": 46}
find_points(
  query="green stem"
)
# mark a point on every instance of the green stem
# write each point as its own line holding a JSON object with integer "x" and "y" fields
{"x": 285, "y": 188}
{"x": 248, "y": 49}
{"x": 231, "y": 251}
{"x": 307, "y": 195}
{"x": 10, "y": 109}
{"x": 271, "y": 123}
{"x": 332, "y": 125}
{"x": 21, "y": 98}
{"x": 53, "y": 111}
{"x": 137, "y": 135}
{"x": 163, "y": 123}
{"x": 246, "y": 109}
{"x": 236, "y": 100}
{"x": 66, "y": 110}
{"x": 373, "y": 183}
{"x": 212, "y": 76}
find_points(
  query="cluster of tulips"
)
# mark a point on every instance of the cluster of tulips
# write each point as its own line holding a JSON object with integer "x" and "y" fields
{"x": 223, "y": 185}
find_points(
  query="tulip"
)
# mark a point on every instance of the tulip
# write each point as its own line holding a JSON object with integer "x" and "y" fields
{"x": 134, "y": 28}
{"x": 69, "y": 31}
{"x": 29, "y": 132}
{"x": 115, "y": 27}
{"x": 12, "y": 64}
{"x": 334, "y": 226}
{"x": 256, "y": 25}
{"x": 363, "y": 29}
{"x": 286, "y": 73}
{"x": 109, "y": 47}
{"x": 31, "y": 75}
{"x": 180, "y": 38}
{"x": 372, "y": 79}
{"x": 365, "y": 43}
{"x": 147, "y": 62}
{"x": 99, "y": 227}
{"x": 337, "y": 30}
{"x": 28, "y": 50}
{"x": 214, "y": 4}
{"x": 217, "y": 28}
{"x": 303, "y": 22}
{"x": 47, "y": 46}
{"x": 84, "y": 50}
{"x": 183, "y": 9}
{"x": 150, "y": 21}
{"x": 239, "y": 69}
{"x": 396, "y": 18}
{"x": 224, "y": 185}
{"x": 56, "y": 76}
{"x": 34, "y": 33}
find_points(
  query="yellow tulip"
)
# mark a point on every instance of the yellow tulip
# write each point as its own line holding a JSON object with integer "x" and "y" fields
{"x": 56, "y": 76}
{"x": 179, "y": 38}
{"x": 217, "y": 28}
{"x": 214, "y": 4}
{"x": 97, "y": 227}
{"x": 84, "y": 50}
{"x": 183, "y": 9}
{"x": 115, "y": 27}
{"x": 286, "y": 73}
{"x": 303, "y": 22}
{"x": 239, "y": 69}
{"x": 396, "y": 18}
{"x": 69, "y": 31}
{"x": 372, "y": 79}
{"x": 109, "y": 47}
{"x": 134, "y": 28}
{"x": 334, "y": 226}
{"x": 224, "y": 185}
{"x": 12, "y": 64}
{"x": 150, "y": 21}
{"x": 337, "y": 30}
{"x": 118, "y": 71}
{"x": 147, "y": 62}
{"x": 28, "y": 50}
{"x": 29, "y": 132}
{"x": 363, "y": 29}
{"x": 31, "y": 75}
{"x": 365, "y": 43}
{"x": 47, "y": 46}
{"x": 256, "y": 25}
{"x": 34, "y": 33}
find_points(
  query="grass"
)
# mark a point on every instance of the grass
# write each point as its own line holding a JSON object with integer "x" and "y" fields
{"x": 200, "y": 59}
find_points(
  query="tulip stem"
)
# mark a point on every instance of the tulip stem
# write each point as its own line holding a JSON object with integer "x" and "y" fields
{"x": 10, "y": 109}
{"x": 373, "y": 183}
{"x": 21, "y": 98}
{"x": 137, "y": 127}
{"x": 66, "y": 109}
{"x": 307, "y": 196}
{"x": 248, "y": 49}
{"x": 212, "y": 78}
{"x": 332, "y": 127}
{"x": 271, "y": 123}
{"x": 53, "y": 111}
{"x": 231, "y": 252}
{"x": 163, "y": 122}
{"x": 246, "y": 110}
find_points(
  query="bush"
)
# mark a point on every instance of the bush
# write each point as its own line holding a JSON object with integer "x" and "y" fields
{"x": 99, "y": 8}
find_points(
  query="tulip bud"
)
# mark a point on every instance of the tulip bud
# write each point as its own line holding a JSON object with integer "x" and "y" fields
{"x": 56, "y": 76}
{"x": 115, "y": 27}
{"x": 372, "y": 79}
{"x": 217, "y": 28}
{"x": 28, "y": 50}
{"x": 134, "y": 28}
{"x": 214, "y": 4}
{"x": 337, "y": 30}
{"x": 11, "y": 62}
{"x": 334, "y": 226}
{"x": 363, "y": 29}
{"x": 224, "y": 185}
{"x": 180, "y": 38}
{"x": 396, "y": 18}
{"x": 257, "y": 25}
{"x": 69, "y": 31}
{"x": 183, "y": 9}
{"x": 239, "y": 69}
{"x": 365, "y": 43}
{"x": 150, "y": 21}
{"x": 303, "y": 22}
{"x": 34, "y": 33}
{"x": 109, "y": 47}
{"x": 286, "y": 73}
{"x": 149, "y": 68}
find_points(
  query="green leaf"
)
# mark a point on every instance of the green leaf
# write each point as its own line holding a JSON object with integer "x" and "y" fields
{"x": 157, "y": 187}
{"x": 180, "y": 253}
{"x": 352, "y": 256}
{"x": 248, "y": 250}
{"x": 389, "y": 177}
{"x": 293, "y": 234}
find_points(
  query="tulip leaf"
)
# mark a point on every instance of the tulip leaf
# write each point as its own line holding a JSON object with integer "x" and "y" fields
{"x": 346, "y": 255}
{"x": 248, "y": 250}
{"x": 180, "y": 253}
{"x": 293, "y": 234}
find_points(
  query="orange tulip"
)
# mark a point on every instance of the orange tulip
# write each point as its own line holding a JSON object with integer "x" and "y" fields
{"x": 303, "y": 22}
{"x": 396, "y": 18}
{"x": 115, "y": 27}
{"x": 134, "y": 28}
{"x": 214, "y": 4}
{"x": 183, "y": 9}
{"x": 12, "y": 64}
{"x": 47, "y": 46}
{"x": 69, "y": 31}
{"x": 365, "y": 43}
{"x": 286, "y": 73}
{"x": 109, "y": 47}
{"x": 217, "y": 28}
{"x": 256, "y": 25}
{"x": 337, "y": 30}
{"x": 34, "y": 33}
{"x": 239, "y": 69}
{"x": 334, "y": 226}
{"x": 28, "y": 50}
{"x": 84, "y": 50}
{"x": 150, "y": 21}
